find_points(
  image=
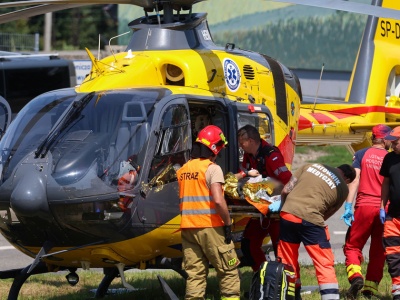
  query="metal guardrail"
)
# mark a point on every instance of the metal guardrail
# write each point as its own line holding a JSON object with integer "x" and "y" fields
{"x": 15, "y": 42}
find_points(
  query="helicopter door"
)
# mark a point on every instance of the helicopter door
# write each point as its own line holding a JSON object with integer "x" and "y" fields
{"x": 171, "y": 151}
{"x": 260, "y": 117}
{"x": 5, "y": 115}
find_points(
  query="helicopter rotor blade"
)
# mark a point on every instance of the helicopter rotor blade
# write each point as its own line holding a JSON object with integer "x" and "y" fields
{"x": 46, "y": 6}
{"x": 348, "y": 6}
{"x": 57, "y": 2}
{"x": 34, "y": 11}
{"x": 38, "y": 7}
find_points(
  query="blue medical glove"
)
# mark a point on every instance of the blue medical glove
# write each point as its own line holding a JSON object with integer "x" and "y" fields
{"x": 382, "y": 215}
{"x": 275, "y": 206}
{"x": 348, "y": 215}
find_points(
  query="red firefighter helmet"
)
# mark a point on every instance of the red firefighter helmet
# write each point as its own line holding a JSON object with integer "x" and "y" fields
{"x": 212, "y": 137}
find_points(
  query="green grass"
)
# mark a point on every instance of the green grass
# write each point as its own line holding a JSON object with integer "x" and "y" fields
{"x": 333, "y": 155}
{"x": 54, "y": 286}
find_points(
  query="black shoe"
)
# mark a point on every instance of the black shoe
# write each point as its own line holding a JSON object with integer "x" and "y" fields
{"x": 367, "y": 294}
{"x": 397, "y": 297}
{"x": 356, "y": 285}
{"x": 297, "y": 294}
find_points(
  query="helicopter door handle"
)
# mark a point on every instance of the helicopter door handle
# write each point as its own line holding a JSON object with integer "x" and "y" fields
{"x": 214, "y": 72}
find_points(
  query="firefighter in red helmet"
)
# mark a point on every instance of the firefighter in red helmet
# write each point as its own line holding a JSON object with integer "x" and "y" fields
{"x": 205, "y": 220}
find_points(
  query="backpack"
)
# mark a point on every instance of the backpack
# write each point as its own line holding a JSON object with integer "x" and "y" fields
{"x": 274, "y": 280}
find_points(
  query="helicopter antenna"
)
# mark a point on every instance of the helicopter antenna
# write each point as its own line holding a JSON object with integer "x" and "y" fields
{"x": 109, "y": 43}
{"x": 320, "y": 78}
{"x": 98, "y": 50}
{"x": 158, "y": 14}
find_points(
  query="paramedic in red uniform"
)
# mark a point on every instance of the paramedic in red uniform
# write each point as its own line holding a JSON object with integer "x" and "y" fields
{"x": 390, "y": 171}
{"x": 313, "y": 194}
{"x": 260, "y": 158}
{"x": 205, "y": 220}
{"x": 365, "y": 223}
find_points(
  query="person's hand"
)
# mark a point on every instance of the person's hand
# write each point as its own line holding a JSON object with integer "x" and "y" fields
{"x": 348, "y": 215}
{"x": 275, "y": 206}
{"x": 228, "y": 234}
{"x": 253, "y": 173}
{"x": 382, "y": 215}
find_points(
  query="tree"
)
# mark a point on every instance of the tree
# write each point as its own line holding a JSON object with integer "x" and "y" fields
{"x": 75, "y": 28}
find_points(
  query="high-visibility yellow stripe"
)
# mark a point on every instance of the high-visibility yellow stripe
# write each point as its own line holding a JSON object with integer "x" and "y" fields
{"x": 353, "y": 269}
{"x": 262, "y": 273}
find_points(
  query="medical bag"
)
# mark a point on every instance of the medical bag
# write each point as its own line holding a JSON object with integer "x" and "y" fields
{"x": 274, "y": 280}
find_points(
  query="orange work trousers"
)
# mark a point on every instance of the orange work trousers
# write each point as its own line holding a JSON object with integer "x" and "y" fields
{"x": 391, "y": 243}
{"x": 315, "y": 239}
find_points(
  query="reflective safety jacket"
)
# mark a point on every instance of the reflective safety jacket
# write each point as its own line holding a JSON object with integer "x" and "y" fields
{"x": 197, "y": 206}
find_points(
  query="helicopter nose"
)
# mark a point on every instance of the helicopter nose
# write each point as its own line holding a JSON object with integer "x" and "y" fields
{"x": 29, "y": 195}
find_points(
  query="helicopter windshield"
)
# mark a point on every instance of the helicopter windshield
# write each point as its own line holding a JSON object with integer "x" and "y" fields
{"x": 106, "y": 136}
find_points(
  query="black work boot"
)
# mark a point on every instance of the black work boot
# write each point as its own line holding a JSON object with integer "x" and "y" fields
{"x": 356, "y": 284}
{"x": 297, "y": 294}
{"x": 369, "y": 294}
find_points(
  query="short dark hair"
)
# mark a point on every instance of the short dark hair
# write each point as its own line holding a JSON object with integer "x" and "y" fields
{"x": 251, "y": 132}
{"x": 348, "y": 172}
{"x": 201, "y": 151}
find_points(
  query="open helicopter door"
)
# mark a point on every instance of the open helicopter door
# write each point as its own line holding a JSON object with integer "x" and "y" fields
{"x": 260, "y": 117}
{"x": 5, "y": 115}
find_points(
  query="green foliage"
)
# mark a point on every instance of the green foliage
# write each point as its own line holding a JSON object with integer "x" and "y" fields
{"x": 75, "y": 28}
{"x": 305, "y": 43}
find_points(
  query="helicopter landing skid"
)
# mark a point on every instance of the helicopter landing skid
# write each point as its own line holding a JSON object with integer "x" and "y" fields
{"x": 20, "y": 276}
{"x": 44, "y": 250}
{"x": 120, "y": 268}
{"x": 167, "y": 290}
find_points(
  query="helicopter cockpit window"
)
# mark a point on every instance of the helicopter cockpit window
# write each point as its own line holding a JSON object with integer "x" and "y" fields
{"x": 92, "y": 138}
{"x": 31, "y": 126}
{"x": 173, "y": 145}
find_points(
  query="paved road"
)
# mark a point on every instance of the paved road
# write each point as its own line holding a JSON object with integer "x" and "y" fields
{"x": 337, "y": 230}
{"x": 11, "y": 258}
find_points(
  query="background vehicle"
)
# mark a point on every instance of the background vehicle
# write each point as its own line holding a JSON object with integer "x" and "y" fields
{"x": 23, "y": 77}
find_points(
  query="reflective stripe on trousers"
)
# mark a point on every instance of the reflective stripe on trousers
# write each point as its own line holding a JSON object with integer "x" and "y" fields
{"x": 391, "y": 243}
{"x": 316, "y": 242}
{"x": 366, "y": 224}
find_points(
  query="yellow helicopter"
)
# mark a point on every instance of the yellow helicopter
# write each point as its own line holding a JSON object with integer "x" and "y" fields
{"x": 373, "y": 96}
{"x": 87, "y": 174}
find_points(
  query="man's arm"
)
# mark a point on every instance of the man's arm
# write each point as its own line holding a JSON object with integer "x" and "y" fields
{"x": 245, "y": 173}
{"x": 348, "y": 215}
{"x": 353, "y": 187}
{"x": 288, "y": 188}
{"x": 385, "y": 192}
{"x": 276, "y": 167}
{"x": 220, "y": 203}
